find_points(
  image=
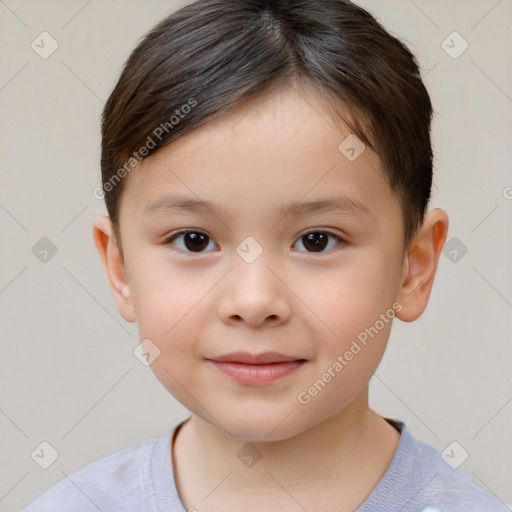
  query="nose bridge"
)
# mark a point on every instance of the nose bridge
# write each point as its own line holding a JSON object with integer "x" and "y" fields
{"x": 250, "y": 250}
{"x": 253, "y": 291}
{"x": 252, "y": 266}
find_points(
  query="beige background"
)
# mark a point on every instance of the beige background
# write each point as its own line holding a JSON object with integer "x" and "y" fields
{"x": 68, "y": 374}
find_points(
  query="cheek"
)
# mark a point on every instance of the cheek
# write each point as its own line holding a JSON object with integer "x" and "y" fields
{"x": 353, "y": 316}
{"x": 347, "y": 298}
{"x": 168, "y": 305}
{"x": 172, "y": 325}
{"x": 165, "y": 294}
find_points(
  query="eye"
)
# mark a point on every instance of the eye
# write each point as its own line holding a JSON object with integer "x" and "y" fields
{"x": 197, "y": 241}
{"x": 318, "y": 240}
{"x": 193, "y": 241}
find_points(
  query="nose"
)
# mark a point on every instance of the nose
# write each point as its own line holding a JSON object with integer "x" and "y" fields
{"x": 253, "y": 293}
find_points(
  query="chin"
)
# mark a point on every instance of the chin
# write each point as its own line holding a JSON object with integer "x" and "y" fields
{"x": 262, "y": 426}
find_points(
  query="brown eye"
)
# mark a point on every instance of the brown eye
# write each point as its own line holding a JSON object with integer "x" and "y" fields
{"x": 197, "y": 242}
{"x": 191, "y": 241}
{"x": 317, "y": 241}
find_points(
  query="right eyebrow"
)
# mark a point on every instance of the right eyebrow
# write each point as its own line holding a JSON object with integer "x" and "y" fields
{"x": 176, "y": 204}
{"x": 170, "y": 204}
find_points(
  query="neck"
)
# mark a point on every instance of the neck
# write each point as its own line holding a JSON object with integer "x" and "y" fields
{"x": 348, "y": 453}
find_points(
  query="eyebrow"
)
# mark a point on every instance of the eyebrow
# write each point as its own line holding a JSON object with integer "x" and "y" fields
{"x": 181, "y": 204}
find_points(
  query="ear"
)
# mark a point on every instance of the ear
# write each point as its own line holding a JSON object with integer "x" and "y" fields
{"x": 420, "y": 265}
{"x": 113, "y": 262}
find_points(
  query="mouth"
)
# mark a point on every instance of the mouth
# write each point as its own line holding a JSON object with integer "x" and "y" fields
{"x": 256, "y": 369}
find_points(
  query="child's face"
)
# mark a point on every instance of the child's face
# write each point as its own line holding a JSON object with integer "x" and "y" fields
{"x": 198, "y": 299}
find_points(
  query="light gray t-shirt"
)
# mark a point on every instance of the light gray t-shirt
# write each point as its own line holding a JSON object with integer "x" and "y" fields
{"x": 140, "y": 479}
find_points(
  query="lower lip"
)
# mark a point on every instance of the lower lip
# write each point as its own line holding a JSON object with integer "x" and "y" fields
{"x": 257, "y": 373}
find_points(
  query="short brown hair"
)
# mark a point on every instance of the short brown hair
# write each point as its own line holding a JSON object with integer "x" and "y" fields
{"x": 210, "y": 56}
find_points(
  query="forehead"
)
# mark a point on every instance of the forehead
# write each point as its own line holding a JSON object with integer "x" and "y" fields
{"x": 275, "y": 150}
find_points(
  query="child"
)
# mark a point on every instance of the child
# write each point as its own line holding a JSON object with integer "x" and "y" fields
{"x": 267, "y": 168}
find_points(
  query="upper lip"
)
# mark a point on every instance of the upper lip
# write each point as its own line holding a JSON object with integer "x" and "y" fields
{"x": 247, "y": 358}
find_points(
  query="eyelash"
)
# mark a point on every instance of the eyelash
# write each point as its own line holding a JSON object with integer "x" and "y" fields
{"x": 172, "y": 237}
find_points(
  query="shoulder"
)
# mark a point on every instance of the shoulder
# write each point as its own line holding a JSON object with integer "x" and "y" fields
{"x": 441, "y": 486}
{"x": 114, "y": 482}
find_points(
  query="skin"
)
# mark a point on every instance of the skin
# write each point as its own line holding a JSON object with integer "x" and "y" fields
{"x": 274, "y": 152}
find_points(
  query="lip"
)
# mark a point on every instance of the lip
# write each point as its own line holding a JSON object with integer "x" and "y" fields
{"x": 256, "y": 369}
{"x": 248, "y": 358}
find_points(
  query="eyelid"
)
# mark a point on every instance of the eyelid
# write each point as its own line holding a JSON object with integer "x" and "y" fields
{"x": 168, "y": 240}
{"x": 341, "y": 239}
{"x": 320, "y": 229}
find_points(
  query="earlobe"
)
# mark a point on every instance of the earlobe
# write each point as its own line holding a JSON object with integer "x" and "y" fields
{"x": 421, "y": 265}
{"x": 114, "y": 265}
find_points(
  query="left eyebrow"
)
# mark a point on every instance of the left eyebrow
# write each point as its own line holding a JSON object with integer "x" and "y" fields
{"x": 341, "y": 204}
{"x": 178, "y": 204}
